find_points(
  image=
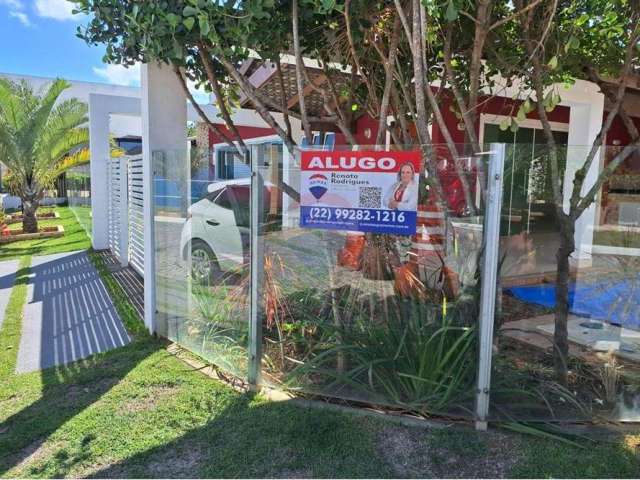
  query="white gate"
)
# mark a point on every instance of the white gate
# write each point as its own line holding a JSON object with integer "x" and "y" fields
{"x": 126, "y": 223}
{"x": 117, "y": 201}
{"x": 135, "y": 215}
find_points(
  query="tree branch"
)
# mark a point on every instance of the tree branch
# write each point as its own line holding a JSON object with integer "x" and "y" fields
{"x": 299, "y": 72}
{"x": 389, "y": 66}
{"x": 251, "y": 93}
{"x": 285, "y": 114}
{"x": 222, "y": 105}
{"x": 212, "y": 126}
{"x": 514, "y": 15}
{"x": 354, "y": 53}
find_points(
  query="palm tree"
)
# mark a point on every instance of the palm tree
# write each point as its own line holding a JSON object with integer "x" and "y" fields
{"x": 39, "y": 138}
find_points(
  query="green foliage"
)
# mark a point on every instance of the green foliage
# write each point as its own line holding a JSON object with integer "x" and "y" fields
{"x": 74, "y": 238}
{"x": 217, "y": 330}
{"x": 128, "y": 314}
{"x": 11, "y": 327}
{"x": 413, "y": 357}
{"x": 37, "y": 134}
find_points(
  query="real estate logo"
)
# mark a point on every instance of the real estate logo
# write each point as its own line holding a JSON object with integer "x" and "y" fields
{"x": 318, "y": 185}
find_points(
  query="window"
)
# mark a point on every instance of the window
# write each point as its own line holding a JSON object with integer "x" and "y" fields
{"x": 222, "y": 199}
{"x": 329, "y": 141}
{"x": 224, "y": 167}
{"x": 528, "y": 185}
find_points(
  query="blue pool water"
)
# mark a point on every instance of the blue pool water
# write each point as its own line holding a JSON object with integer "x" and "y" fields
{"x": 617, "y": 302}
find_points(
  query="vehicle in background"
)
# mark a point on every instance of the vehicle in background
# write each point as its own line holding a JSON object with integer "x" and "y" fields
{"x": 216, "y": 236}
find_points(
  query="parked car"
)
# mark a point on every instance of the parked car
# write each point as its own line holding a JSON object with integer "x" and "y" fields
{"x": 216, "y": 236}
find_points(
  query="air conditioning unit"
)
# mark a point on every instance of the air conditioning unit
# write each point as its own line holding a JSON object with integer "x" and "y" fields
{"x": 629, "y": 213}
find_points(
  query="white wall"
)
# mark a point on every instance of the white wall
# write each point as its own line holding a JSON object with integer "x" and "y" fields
{"x": 164, "y": 129}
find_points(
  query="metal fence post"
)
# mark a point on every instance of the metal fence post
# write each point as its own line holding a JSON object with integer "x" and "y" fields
{"x": 256, "y": 268}
{"x": 148, "y": 210}
{"x": 488, "y": 281}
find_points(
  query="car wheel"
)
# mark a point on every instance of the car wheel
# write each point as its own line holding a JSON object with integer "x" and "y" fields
{"x": 204, "y": 265}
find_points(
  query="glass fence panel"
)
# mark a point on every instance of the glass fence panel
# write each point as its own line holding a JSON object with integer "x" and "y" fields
{"x": 78, "y": 183}
{"x": 202, "y": 250}
{"x": 579, "y": 362}
{"x": 370, "y": 276}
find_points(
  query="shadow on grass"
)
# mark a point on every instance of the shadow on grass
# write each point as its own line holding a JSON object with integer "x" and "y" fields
{"x": 251, "y": 437}
{"x": 65, "y": 292}
{"x": 66, "y": 392}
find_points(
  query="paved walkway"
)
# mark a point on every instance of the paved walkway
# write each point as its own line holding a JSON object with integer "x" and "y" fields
{"x": 69, "y": 314}
{"x": 8, "y": 271}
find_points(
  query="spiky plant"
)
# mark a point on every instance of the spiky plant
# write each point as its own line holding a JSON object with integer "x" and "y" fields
{"x": 39, "y": 137}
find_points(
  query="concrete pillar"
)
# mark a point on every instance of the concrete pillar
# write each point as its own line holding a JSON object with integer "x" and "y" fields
{"x": 164, "y": 129}
{"x": 100, "y": 109}
{"x": 585, "y": 121}
{"x": 100, "y": 153}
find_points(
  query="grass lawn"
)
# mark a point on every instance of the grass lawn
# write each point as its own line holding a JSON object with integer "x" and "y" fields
{"x": 141, "y": 412}
{"x": 74, "y": 237}
{"x": 617, "y": 239}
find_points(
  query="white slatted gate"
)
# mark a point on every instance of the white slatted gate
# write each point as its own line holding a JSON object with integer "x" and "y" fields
{"x": 117, "y": 199}
{"x": 125, "y": 218}
{"x": 135, "y": 214}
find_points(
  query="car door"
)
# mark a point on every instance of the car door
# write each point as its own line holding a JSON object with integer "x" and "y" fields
{"x": 240, "y": 196}
{"x": 220, "y": 228}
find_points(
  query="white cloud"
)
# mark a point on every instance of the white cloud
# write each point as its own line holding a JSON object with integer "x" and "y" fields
{"x": 22, "y": 18}
{"x": 56, "y": 9}
{"x": 17, "y": 11}
{"x": 119, "y": 75}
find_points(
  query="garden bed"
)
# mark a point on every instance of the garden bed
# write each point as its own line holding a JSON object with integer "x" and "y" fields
{"x": 45, "y": 232}
{"x": 18, "y": 217}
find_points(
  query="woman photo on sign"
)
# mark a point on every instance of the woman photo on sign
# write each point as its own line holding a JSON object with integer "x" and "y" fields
{"x": 403, "y": 195}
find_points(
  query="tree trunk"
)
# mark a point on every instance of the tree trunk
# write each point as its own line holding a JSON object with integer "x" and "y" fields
{"x": 379, "y": 257}
{"x": 29, "y": 219}
{"x": 560, "y": 334}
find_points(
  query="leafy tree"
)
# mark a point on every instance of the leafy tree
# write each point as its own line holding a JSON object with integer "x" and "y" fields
{"x": 39, "y": 138}
{"x": 383, "y": 44}
{"x": 594, "y": 39}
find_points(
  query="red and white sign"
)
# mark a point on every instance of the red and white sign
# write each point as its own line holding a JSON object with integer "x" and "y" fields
{"x": 368, "y": 191}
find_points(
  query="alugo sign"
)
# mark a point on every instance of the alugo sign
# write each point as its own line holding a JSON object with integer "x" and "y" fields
{"x": 361, "y": 191}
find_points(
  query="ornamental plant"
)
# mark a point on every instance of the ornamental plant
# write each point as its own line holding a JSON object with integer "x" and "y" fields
{"x": 40, "y": 137}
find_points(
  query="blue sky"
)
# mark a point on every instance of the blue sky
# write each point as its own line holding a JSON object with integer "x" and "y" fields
{"x": 38, "y": 38}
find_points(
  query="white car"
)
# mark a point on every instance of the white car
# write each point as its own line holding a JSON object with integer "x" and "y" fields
{"x": 215, "y": 238}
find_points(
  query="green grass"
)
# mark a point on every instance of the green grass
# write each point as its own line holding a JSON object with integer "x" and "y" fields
{"x": 127, "y": 312}
{"x": 617, "y": 239}
{"x": 139, "y": 411}
{"x": 74, "y": 238}
{"x": 12, "y": 324}
{"x": 545, "y": 459}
